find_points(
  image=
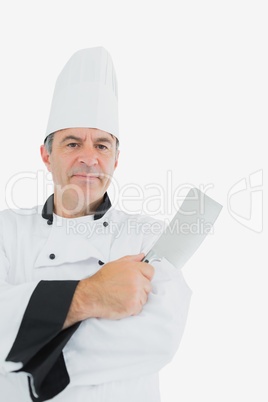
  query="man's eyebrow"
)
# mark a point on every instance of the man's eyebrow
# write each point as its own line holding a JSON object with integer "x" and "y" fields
{"x": 98, "y": 139}
{"x": 103, "y": 139}
{"x": 71, "y": 137}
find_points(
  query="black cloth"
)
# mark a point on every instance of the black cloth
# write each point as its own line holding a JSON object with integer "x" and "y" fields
{"x": 40, "y": 339}
{"x": 47, "y": 212}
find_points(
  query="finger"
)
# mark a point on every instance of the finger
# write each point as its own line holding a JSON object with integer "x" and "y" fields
{"x": 147, "y": 270}
{"x": 144, "y": 298}
{"x": 135, "y": 257}
{"x": 148, "y": 287}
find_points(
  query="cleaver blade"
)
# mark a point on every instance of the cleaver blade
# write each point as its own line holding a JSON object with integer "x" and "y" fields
{"x": 187, "y": 230}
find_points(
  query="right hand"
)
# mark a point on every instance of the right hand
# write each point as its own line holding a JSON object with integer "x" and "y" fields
{"x": 119, "y": 289}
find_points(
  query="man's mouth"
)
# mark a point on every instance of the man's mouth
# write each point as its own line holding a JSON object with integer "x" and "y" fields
{"x": 87, "y": 176}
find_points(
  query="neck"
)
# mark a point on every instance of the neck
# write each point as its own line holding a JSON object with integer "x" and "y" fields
{"x": 69, "y": 208}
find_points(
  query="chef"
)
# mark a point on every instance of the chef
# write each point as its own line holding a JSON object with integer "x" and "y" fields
{"x": 82, "y": 317}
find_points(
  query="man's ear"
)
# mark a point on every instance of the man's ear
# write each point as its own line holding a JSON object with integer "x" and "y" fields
{"x": 45, "y": 157}
{"x": 116, "y": 161}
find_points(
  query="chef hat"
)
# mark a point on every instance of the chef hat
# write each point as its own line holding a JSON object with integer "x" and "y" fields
{"x": 85, "y": 93}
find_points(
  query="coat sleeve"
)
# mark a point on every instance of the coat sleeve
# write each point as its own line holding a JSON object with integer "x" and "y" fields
{"x": 105, "y": 350}
{"x": 32, "y": 316}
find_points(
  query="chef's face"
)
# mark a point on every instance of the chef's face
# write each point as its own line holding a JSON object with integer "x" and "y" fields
{"x": 82, "y": 163}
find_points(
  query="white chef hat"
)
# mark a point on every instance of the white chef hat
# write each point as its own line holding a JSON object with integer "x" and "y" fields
{"x": 85, "y": 93}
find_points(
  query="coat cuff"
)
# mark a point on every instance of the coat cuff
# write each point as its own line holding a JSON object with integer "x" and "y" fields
{"x": 40, "y": 339}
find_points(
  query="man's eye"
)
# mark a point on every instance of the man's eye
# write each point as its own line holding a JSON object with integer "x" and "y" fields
{"x": 72, "y": 145}
{"x": 100, "y": 146}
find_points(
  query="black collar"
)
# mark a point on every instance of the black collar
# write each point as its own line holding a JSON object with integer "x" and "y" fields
{"x": 47, "y": 211}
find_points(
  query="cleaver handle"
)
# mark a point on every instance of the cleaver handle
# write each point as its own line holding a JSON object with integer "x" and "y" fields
{"x": 151, "y": 256}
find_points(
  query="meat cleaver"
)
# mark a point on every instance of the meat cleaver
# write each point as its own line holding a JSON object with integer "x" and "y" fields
{"x": 187, "y": 230}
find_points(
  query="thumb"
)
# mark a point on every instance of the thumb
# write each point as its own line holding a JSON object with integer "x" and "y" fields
{"x": 135, "y": 257}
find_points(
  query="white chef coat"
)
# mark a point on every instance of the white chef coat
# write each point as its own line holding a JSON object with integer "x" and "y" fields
{"x": 107, "y": 360}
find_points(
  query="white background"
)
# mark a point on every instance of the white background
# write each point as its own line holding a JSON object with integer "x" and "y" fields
{"x": 193, "y": 106}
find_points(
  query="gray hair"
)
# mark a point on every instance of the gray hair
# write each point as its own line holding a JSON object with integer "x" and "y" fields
{"x": 48, "y": 143}
{"x": 49, "y": 139}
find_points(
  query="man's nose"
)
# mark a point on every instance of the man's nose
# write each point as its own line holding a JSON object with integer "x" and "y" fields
{"x": 88, "y": 155}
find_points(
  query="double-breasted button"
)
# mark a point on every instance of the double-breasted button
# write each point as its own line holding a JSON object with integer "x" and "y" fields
{"x": 52, "y": 256}
{"x": 105, "y": 224}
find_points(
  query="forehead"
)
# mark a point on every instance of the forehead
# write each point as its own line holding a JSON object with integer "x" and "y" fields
{"x": 83, "y": 133}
